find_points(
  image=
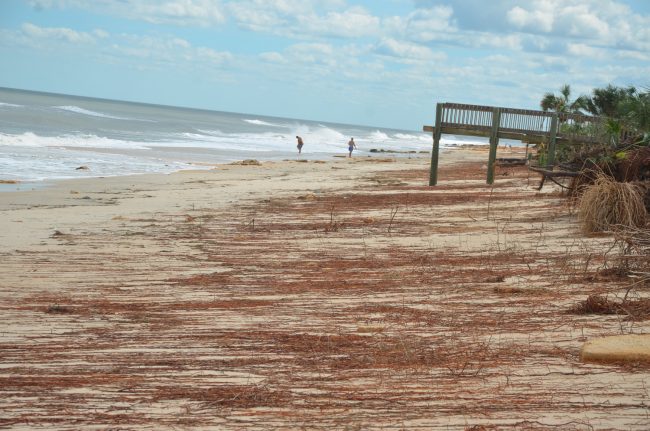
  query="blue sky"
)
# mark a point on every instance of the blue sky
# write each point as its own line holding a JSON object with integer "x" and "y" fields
{"x": 372, "y": 62}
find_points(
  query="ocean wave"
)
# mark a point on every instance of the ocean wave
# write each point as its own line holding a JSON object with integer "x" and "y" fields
{"x": 317, "y": 138}
{"x": 10, "y": 105}
{"x": 420, "y": 137}
{"x": 379, "y": 136}
{"x": 82, "y": 111}
{"x": 29, "y": 139}
{"x": 262, "y": 123}
{"x": 34, "y": 164}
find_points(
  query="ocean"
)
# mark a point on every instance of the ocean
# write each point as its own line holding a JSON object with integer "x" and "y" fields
{"x": 46, "y": 136}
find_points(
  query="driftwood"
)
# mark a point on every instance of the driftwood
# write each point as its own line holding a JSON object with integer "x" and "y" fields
{"x": 505, "y": 161}
{"x": 554, "y": 174}
{"x": 551, "y": 175}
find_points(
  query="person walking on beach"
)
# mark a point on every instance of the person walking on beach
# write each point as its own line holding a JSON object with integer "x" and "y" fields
{"x": 300, "y": 144}
{"x": 351, "y": 146}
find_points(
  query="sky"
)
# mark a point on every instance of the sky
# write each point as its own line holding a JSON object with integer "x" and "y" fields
{"x": 383, "y": 63}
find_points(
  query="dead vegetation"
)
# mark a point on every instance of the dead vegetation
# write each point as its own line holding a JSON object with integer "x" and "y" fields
{"x": 383, "y": 308}
{"x": 608, "y": 204}
{"x": 632, "y": 309}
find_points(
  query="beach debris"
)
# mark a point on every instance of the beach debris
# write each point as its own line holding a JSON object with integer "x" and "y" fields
{"x": 607, "y": 204}
{"x": 82, "y": 168}
{"x": 508, "y": 290}
{"x": 370, "y": 329}
{"x": 594, "y": 304}
{"x": 617, "y": 349}
{"x": 57, "y": 233}
{"x": 495, "y": 279}
{"x": 248, "y": 162}
{"x": 511, "y": 161}
{"x": 634, "y": 260}
{"x": 58, "y": 309}
{"x": 635, "y": 309}
{"x": 307, "y": 197}
{"x": 9, "y": 182}
{"x": 381, "y": 150}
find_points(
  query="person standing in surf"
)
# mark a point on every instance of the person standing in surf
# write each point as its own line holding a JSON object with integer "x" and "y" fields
{"x": 351, "y": 146}
{"x": 300, "y": 144}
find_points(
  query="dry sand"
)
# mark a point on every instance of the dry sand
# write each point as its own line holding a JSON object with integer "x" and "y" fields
{"x": 336, "y": 295}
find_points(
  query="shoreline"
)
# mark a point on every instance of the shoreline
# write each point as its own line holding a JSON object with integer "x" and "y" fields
{"x": 197, "y": 158}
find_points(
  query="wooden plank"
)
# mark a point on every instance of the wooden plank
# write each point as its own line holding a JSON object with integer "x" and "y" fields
{"x": 433, "y": 172}
{"x": 554, "y": 174}
{"x": 531, "y": 138}
{"x": 550, "y": 160}
{"x": 494, "y": 143}
{"x": 511, "y": 161}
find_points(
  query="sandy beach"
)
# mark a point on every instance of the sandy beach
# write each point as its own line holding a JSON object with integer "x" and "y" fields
{"x": 325, "y": 294}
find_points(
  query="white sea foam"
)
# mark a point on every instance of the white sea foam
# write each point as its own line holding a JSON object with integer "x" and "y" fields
{"x": 262, "y": 123}
{"x": 319, "y": 139}
{"x": 9, "y": 105}
{"x": 39, "y": 164}
{"x": 29, "y": 139}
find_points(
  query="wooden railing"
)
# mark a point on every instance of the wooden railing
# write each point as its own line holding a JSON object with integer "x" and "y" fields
{"x": 525, "y": 121}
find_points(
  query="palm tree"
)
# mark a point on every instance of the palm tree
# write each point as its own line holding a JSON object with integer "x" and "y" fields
{"x": 635, "y": 112}
{"x": 562, "y": 102}
{"x": 606, "y": 101}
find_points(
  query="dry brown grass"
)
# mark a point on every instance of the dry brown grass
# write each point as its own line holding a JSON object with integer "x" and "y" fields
{"x": 634, "y": 309}
{"x": 608, "y": 204}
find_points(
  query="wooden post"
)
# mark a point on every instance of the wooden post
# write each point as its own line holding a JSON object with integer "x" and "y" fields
{"x": 437, "y": 133}
{"x": 550, "y": 158}
{"x": 494, "y": 143}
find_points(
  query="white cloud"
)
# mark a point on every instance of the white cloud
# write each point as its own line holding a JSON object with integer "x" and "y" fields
{"x": 257, "y": 19}
{"x": 584, "y": 50}
{"x": 423, "y": 25}
{"x": 509, "y": 42}
{"x": 541, "y": 19}
{"x": 634, "y": 55}
{"x": 353, "y": 22}
{"x": 306, "y": 19}
{"x": 56, "y": 33}
{"x": 102, "y": 34}
{"x": 314, "y": 53}
{"x": 215, "y": 57}
{"x": 406, "y": 50}
{"x": 158, "y": 51}
{"x": 182, "y": 12}
{"x": 177, "y": 12}
{"x": 273, "y": 57}
{"x": 605, "y": 22}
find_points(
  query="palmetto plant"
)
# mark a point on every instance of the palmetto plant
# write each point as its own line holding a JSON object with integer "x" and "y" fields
{"x": 605, "y": 102}
{"x": 634, "y": 111}
{"x": 562, "y": 102}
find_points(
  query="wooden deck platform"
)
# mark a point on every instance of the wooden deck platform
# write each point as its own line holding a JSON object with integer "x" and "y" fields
{"x": 528, "y": 126}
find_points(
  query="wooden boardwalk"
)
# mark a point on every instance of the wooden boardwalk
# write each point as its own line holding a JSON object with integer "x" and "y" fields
{"x": 529, "y": 126}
